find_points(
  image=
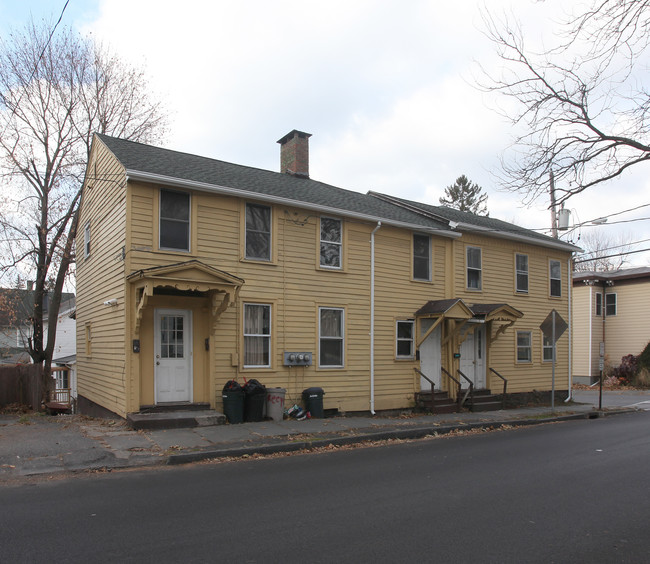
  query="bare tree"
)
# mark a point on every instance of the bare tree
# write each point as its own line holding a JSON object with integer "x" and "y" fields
{"x": 603, "y": 253}
{"x": 582, "y": 104}
{"x": 56, "y": 89}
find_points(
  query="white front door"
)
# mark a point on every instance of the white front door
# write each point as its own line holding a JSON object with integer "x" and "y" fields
{"x": 173, "y": 355}
{"x": 472, "y": 355}
{"x": 430, "y": 357}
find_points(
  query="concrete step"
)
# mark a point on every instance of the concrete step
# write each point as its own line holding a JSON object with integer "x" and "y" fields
{"x": 175, "y": 419}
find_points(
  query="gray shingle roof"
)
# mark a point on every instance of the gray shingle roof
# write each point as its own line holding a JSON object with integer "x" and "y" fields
{"x": 137, "y": 157}
{"x": 484, "y": 223}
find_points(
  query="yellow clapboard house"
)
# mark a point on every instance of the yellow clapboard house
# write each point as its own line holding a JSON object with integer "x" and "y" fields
{"x": 193, "y": 271}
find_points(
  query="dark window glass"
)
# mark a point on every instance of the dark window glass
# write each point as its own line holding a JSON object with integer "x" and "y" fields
{"x": 421, "y": 257}
{"x": 330, "y": 242}
{"x": 556, "y": 278}
{"x": 522, "y": 273}
{"x": 474, "y": 268}
{"x": 174, "y": 220}
{"x": 331, "y": 337}
{"x": 258, "y": 232}
{"x": 610, "y": 305}
{"x": 405, "y": 339}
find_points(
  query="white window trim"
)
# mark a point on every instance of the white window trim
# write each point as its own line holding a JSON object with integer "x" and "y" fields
{"x": 189, "y": 221}
{"x": 339, "y": 243}
{"x": 596, "y": 304}
{"x": 615, "y": 304}
{"x": 479, "y": 269}
{"x": 268, "y": 337}
{"x": 529, "y": 347}
{"x": 341, "y": 338}
{"x": 550, "y": 278}
{"x": 526, "y": 272}
{"x": 411, "y": 340}
{"x": 546, "y": 347}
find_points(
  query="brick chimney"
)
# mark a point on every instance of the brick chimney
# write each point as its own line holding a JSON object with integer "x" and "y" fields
{"x": 294, "y": 153}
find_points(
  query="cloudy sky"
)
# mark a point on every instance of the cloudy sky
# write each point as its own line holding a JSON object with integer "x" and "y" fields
{"x": 385, "y": 87}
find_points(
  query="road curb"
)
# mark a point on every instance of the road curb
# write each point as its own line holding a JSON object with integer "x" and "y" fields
{"x": 373, "y": 436}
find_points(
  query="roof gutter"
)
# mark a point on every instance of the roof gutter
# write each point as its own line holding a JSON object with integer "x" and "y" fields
{"x": 561, "y": 245}
{"x": 136, "y": 175}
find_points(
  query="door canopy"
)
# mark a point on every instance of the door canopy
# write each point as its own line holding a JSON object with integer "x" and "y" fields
{"x": 501, "y": 316}
{"x": 191, "y": 276}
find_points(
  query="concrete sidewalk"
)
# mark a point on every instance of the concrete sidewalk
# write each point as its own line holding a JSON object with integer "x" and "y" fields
{"x": 42, "y": 445}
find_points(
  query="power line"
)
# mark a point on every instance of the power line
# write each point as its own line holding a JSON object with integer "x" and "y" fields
{"x": 611, "y": 256}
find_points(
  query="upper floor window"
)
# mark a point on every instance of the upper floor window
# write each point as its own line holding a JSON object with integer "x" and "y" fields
{"x": 524, "y": 346}
{"x": 87, "y": 240}
{"x": 258, "y": 232}
{"x": 521, "y": 273}
{"x": 474, "y": 269}
{"x": 331, "y": 239}
{"x": 174, "y": 232}
{"x": 610, "y": 305}
{"x": 257, "y": 335}
{"x": 555, "y": 273}
{"x": 331, "y": 337}
{"x": 599, "y": 304}
{"x": 404, "y": 344}
{"x": 421, "y": 257}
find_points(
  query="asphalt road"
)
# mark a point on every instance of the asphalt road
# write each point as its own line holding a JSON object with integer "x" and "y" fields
{"x": 567, "y": 492}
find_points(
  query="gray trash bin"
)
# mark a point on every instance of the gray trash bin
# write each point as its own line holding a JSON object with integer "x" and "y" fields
{"x": 275, "y": 403}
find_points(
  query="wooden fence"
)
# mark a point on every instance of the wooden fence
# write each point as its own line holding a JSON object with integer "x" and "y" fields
{"x": 21, "y": 384}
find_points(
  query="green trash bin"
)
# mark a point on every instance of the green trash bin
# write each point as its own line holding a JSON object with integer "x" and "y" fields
{"x": 233, "y": 405}
{"x": 313, "y": 400}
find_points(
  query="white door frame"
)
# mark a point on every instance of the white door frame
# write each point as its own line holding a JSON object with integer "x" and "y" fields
{"x": 472, "y": 357}
{"x": 181, "y": 375}
{"x": 431, "y": 357}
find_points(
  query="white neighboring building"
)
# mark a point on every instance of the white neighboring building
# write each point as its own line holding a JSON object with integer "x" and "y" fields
{"x": 65, "y": 347}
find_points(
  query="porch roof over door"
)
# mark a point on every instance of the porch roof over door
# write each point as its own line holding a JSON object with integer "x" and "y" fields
{"x": 190, "y": 276}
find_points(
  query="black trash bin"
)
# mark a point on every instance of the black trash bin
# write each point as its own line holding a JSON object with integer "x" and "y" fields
{"x": 313, "y": 400}
{"x": 255, "y": 398}
{"x": 233, "y": 402}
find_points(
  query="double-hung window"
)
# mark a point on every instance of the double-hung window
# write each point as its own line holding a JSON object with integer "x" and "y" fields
{"x": 257, "y": 335}
{"x": 331, "y": 337}
{"x": 521, "y": 268}
{"x": 474, "y": 269}
{"x": 599, "y": 304}
{"x": 547, "y": 349}
{"x": 610, "y": 305}
{"x": 258, "y": 232}
{"x": 421, "y": 257}
{"x": 174, "y": 229}
{"x": 331, "y": 239}
{"x": 555, "y": 274}
{"x": 524, "y": 346}
{"x": 404, "y": 344}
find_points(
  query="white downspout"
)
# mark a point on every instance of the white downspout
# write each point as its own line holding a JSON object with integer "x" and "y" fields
{"x": 372, "y": 317}
{"x": 570, "y": 277}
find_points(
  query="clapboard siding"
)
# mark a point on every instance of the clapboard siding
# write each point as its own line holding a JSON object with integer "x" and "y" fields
{"x": 100, "y": 277}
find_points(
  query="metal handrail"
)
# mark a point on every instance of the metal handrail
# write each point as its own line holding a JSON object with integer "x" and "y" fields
{"x": 470, "y": 390}
{"x": 457, "y": 383}
{"x": 433, "y": 385}
{"x": 505, "y": 387}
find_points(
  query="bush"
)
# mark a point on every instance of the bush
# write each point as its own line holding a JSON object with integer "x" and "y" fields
{"x": 626, "y": 371}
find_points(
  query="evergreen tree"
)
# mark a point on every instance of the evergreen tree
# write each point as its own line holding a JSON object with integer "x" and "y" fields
{"x": 466, "y": 196}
